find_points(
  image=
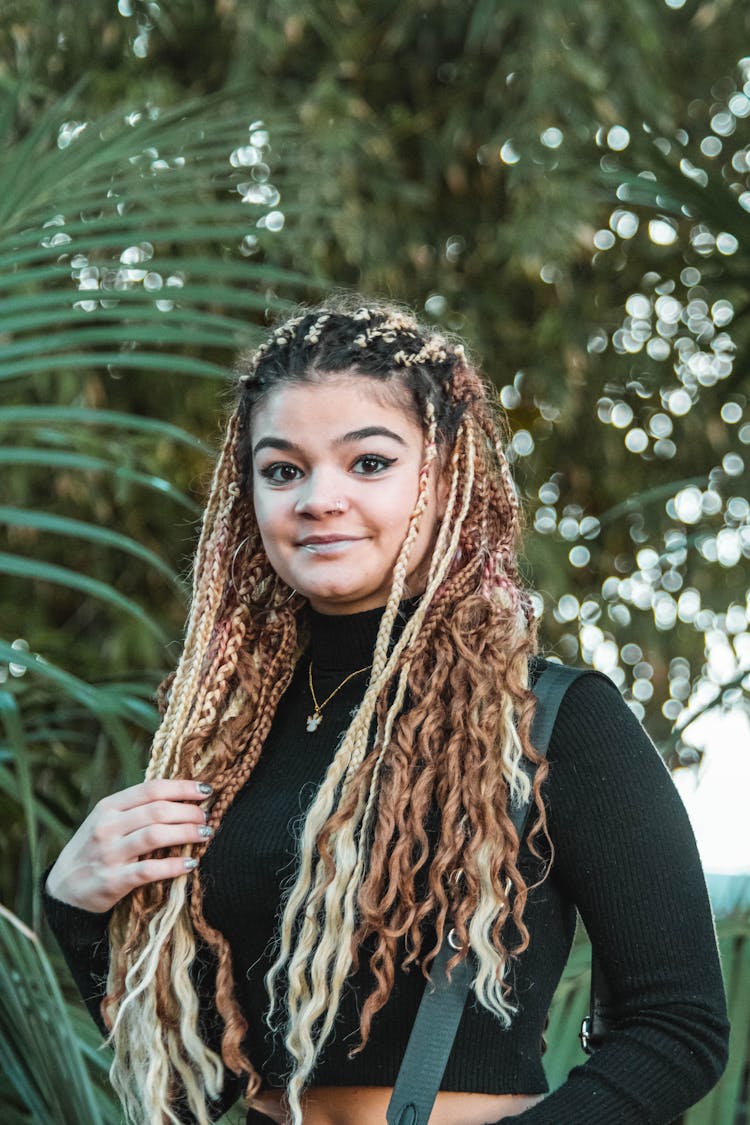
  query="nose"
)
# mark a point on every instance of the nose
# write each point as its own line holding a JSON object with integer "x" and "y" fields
{"x": 319, "y": 498}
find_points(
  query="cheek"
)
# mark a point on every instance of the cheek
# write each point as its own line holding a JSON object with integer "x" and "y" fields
{"x": 260, "y": 512}
{"x": 267, "y": 518}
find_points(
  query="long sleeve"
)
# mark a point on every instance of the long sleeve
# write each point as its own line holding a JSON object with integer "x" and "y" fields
{"x": 83, "y": 939}
{"x": 625, "y": 852}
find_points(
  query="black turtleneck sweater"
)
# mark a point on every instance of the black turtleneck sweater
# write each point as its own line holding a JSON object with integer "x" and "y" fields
{"x": 624, "y": 856}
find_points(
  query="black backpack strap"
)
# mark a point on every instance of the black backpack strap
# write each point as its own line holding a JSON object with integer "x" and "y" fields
{"x": 549, "y": 690}
{"x": 442, "y": 1004}
{"x": 430, "y": 1042}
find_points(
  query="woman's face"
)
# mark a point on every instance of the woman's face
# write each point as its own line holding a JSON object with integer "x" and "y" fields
{"x": 335, "y": 480}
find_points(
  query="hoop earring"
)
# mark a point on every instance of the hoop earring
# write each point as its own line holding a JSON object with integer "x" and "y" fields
{"x": 280, "y": 605}
{"x": 246, "y": 601}
{"x": 237, "y": 550}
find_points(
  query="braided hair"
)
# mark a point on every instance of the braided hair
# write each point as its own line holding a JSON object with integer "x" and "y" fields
{"x": 463, "y": 659}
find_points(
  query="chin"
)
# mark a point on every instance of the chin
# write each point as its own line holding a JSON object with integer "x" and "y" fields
{"x": 337, "y": 589}
{"x": 345, "y": 600}
{"x": 335, "y": 598}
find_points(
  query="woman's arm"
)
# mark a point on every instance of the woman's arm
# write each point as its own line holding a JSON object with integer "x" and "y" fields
{"x": 625, "y": 852}
{"x": 110, "y": 855}
{"x": 83, "y": 938}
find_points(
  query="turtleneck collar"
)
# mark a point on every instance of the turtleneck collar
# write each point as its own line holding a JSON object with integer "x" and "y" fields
{"x": 342, "y": 642}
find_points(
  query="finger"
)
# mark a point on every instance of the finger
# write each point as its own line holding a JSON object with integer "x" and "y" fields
{"x": 152, "y": 870}
{"x": 156, "y": 836}
{"x": 158, "y": 812}
{"x": 159, "y": 789}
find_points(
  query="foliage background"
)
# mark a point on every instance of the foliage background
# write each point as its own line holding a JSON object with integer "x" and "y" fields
{"x": 566, "y": 185}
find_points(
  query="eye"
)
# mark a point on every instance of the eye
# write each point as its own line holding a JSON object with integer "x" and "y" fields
{"x": 280, "y": 472}
{"x": 372, "y": 463}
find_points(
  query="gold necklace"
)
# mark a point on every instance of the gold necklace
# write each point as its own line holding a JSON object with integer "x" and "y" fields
{"x": 314, "y": 720}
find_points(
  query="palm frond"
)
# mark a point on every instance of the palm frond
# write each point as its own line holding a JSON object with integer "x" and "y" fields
{"x": 136, "y": 249}
{"x": 40, "y": 1056}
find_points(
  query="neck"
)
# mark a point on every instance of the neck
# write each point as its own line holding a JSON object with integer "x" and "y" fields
{"x": 342, "y": 642}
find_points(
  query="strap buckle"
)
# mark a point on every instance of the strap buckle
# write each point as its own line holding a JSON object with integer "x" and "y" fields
{"x": 585, "y": 1035}
{"x": 408, "y": 1115}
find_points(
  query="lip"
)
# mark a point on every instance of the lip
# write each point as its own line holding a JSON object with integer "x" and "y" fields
{"x": 325, "y": 545}
{"x": 317, "y": 540}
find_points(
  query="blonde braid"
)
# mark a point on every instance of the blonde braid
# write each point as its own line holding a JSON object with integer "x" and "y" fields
{"x": 341, "y": 918}
{"x": 189, "y": 693}
{"x": 353, "y": 742}
{"x": 380, "y": 673}
{"x": 140, "y": 1069}
{"x": 189, "y": 686}
{"x": 192, "y": 692}
{"x": 345, "y": 923}
{"x": 442, "y": 556}
{"x": 323, "y": 947}
{"x": 200, "y": 1068}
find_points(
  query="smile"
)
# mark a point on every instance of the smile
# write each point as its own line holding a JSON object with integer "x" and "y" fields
{"x": 327, "y": 546}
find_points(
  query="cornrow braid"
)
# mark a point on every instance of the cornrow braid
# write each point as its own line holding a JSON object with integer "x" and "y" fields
{"x": 451, "y": 718}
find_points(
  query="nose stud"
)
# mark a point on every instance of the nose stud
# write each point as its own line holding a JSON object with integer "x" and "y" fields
{"x": 338, "y": 506}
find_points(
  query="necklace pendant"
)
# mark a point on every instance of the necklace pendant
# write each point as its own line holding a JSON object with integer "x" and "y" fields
{"x": 314, "y": 721}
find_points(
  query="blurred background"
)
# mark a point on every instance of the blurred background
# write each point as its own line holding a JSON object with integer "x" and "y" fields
{"x": 565, "y": 185}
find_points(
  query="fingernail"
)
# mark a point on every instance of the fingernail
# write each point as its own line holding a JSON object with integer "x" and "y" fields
{"x": 205, "y": 830}
{"x": 190, "y": 864}
{"x": 204, "y": 787}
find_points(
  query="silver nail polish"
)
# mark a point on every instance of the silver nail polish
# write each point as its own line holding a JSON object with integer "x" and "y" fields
{"x": 205, "y": 831}
{"x": 190, "y": 864}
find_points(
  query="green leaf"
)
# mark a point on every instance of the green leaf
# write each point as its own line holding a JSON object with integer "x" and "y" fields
{"x": 143, "y": 361}
{"x": 12, "y": 724}
{"x": 13, "y": 415}
{"x": 20, "y": 567}
{"x": 106, "y": 704}
{"x": 13, "y": 788}
{"x": 60, "y": 459}
{"x": 39, "y": 1054}
{"x": 64, "y": 525}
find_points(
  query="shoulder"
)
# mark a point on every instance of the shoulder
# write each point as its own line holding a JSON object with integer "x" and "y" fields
{"x": 590, "y": 703}
{"x": 539, "y": 664}
{"x": 587, "y": 707}
{"x": 602, "y": 759}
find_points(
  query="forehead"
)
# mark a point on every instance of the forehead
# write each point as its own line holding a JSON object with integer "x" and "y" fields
{"x": 335, "y": 401}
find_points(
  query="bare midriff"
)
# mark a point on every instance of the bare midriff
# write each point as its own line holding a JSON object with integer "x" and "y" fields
{"x": 366, "y": 1105}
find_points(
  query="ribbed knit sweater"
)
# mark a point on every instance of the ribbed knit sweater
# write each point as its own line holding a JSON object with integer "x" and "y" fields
{"x": 624, "y": 856}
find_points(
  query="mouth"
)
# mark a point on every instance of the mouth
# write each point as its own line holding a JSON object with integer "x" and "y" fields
{"x": 326, "y": 544}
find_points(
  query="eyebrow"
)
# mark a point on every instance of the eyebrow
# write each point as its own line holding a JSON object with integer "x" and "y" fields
{"x": 272, "y": 442}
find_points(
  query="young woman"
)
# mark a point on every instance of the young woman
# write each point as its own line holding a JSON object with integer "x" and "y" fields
{"x": 329, "y": 791}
